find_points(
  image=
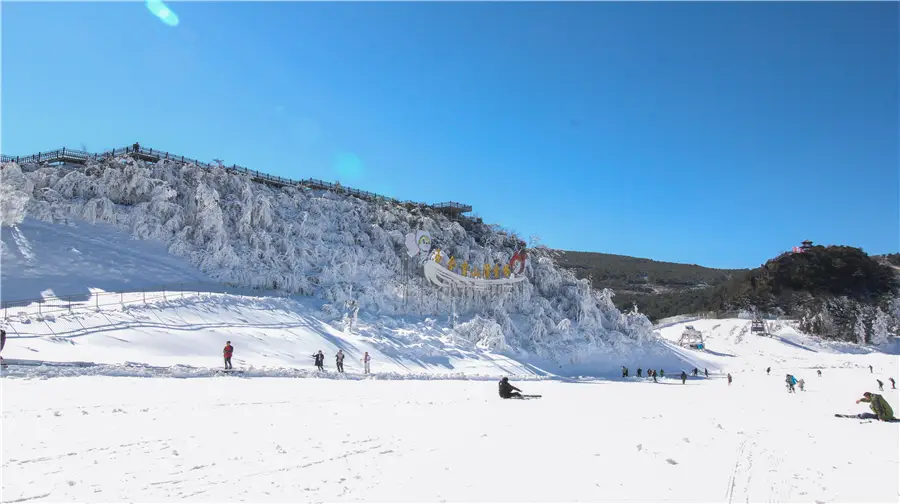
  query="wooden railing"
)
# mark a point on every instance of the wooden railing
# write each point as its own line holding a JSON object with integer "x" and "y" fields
{"x": 65, "y": 155}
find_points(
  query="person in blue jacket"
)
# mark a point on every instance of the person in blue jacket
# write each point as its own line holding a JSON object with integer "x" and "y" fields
{"x": 790, "y": 381}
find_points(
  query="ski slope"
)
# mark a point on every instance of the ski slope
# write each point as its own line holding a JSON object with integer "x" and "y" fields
{"x": 730, "y": 347}
{"x": 43, "y": 259}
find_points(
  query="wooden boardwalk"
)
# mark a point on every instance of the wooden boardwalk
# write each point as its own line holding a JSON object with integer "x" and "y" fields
{"x": 71, "y": 156}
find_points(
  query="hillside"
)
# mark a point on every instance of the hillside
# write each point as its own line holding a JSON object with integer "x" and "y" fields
{"x": 318, "y": 244}
{"x": 660, "y": 289}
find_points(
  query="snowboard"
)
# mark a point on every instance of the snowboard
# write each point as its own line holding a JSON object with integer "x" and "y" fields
{"x": 230, "y": 371}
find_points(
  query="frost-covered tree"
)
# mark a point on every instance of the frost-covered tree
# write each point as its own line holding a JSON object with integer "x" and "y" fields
{"x": 881, "y": 328}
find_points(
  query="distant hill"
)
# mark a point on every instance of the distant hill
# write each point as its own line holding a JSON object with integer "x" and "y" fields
{"x": 660, "y": 289}
{"x": 835, "y": 291}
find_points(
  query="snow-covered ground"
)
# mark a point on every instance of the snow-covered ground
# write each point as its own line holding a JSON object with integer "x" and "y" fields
{"x": 93, "y": 439}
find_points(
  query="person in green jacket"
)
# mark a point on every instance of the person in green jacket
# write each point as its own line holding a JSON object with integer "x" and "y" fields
{"x": 879, "y": 406}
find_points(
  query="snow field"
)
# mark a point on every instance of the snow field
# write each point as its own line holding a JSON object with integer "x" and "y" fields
{"x": 224, "y": 439}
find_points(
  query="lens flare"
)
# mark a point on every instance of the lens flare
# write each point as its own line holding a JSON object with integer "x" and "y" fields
{"x": 159, "y": 9}
{"x": 348, "y": 166}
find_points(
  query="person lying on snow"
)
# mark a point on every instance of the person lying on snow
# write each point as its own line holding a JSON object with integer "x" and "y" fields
{"x": 507, "y": 390}
{"x": 879, "y": 406}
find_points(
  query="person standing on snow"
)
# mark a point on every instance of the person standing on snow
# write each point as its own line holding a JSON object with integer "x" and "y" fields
{"x": 683, "y": 377}
{"x": 507, "y": 391}
{"x": 639, "y": 372}
{"x": 339, "y": 361}
{"x": 662, "y": 373}
{"x": 653, "y": 372}
{"x": 880, "y": 385}
{"x": 870, "y": 369}
{"x": 768, "y": 370}
{"x": 366, "y": 360}
{"x": 3, "y": 342}
{"x": 320, "y": 360}
{"x": 228, "y": 352}
{"x": 893, "y": 384}
{"x": 802, "y": 384}
{"x": 790, "y": 381}
{"x": 879, "y": 406}
{"x": 729, "y": 379}
{"x": 819, "y": 372}
{"x": 706, "y": 372}
{"x": 695, "y": 371}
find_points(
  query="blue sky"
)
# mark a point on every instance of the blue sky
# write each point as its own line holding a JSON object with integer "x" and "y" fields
{"x": 712, "y": 133}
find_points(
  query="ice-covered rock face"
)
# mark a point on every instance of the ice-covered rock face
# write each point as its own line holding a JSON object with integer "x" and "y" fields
{"x": 327, "y": 245}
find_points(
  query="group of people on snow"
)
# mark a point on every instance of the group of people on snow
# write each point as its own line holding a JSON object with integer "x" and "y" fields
{"x": 318, "y": 358}
{"x": 652, "y": 373}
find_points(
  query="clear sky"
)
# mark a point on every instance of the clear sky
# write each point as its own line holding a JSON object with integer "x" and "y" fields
{"x": 713, "y": 133}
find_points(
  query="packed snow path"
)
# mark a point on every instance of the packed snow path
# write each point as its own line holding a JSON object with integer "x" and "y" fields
{"x": 269, "y": 439}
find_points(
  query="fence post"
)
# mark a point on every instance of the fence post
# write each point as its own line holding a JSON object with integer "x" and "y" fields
{"x": 69, "y": 299}
{"x": 182, "y": 291}
{"x": 144, "y": 293}
{"x": 121, "y": 299}
{"x": 40, "y": 304}
{"x": 97, "y": 300}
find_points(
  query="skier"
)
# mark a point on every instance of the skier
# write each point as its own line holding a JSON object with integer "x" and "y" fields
{"x": 3, "y": 343}
{"x": 507, "y": 391}
{"x": 729, "y": 379}
{"x": 639, "y": 372}
{"x": 228, "y": 352}
{"x": 819, "y": 372}
{"x": 706, "y": 372}
{"x": 695, "y": 371}
{"x": 339, "y": 361}
{"x": 870, "y": 369}
{"x": 880, "y": 385}
{"x": 790, "y": 381}
{"x": 768, "y": 370}
{"x": 662, "y": 373}
{"x": 802, "y": 383}
{"x": 683, "y": 377}
{"x": 366, "y": 360}
{"x": 879, "y": 406}
{"x": 653, "y": 372}
{"x": 320, "y": 360}
{"x": 893, "y": 384}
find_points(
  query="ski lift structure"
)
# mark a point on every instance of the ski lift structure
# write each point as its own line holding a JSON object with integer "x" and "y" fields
{"x": 758, "y": 326}
{"x": 691, "y": 338}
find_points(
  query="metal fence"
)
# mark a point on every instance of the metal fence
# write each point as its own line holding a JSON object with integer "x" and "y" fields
{"x": 65, "y": 155}
{"x": 98, "y": 300}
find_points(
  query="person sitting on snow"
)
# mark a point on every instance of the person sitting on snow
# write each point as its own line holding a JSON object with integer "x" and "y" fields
{"x": 507, "y": 391}
{"x": 878, "y": 405}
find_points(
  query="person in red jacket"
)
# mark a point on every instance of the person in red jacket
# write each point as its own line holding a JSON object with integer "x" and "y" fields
{"x": 229, "y": 350}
